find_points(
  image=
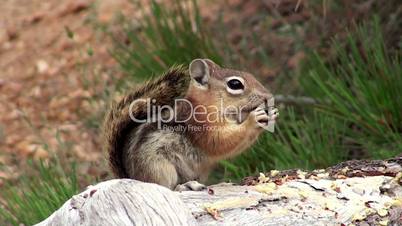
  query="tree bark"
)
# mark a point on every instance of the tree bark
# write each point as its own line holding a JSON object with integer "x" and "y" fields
{"x": 358, "y": 192}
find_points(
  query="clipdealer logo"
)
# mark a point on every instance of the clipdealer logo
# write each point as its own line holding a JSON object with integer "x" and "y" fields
{"x": 202, "y": 115}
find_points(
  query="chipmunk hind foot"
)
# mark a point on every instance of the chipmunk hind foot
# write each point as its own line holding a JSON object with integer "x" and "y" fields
{"x": 190, "y": 186}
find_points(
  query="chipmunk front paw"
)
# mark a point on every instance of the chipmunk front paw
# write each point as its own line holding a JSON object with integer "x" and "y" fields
{"x": 273, "y": 113}
{"x": 260, "y": 117}
{"x": 264, "y": 117}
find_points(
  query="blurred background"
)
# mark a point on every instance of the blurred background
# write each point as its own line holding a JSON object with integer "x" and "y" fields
{"x": 334, "y": 66}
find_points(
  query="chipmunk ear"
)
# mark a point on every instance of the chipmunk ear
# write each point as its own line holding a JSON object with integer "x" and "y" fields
{"x": 199, "y": 71}
{"x": 210, "y": 63}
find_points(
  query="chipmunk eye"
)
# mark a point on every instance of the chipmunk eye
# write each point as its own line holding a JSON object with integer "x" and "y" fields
{"x": 235, "y": 84}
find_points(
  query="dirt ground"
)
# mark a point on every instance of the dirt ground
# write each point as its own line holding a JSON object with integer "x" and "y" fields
{"x": 51, "y": 63}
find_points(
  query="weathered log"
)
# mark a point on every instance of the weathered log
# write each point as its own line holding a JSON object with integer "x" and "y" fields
{"x": 359, "y": 192}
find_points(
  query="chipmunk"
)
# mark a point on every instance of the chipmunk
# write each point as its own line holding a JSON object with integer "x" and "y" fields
{"x": 221, "y": 113}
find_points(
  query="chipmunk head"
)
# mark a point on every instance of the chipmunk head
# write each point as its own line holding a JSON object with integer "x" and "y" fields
{"x": 237, "y": 92}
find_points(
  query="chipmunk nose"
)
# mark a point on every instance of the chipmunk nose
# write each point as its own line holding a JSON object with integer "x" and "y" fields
{"x": 268, "y": 103}
{"x": 261, "y": 98}
{"x": 269, "y": 100}
{"x": 265, "y": 99}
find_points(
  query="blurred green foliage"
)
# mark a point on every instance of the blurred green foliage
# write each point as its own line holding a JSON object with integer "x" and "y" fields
{"x": 37, "y": 196}
{"x": 357, "y": 112}
{"x": 164, "y": 37}
{"x": 362, "y": 86}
